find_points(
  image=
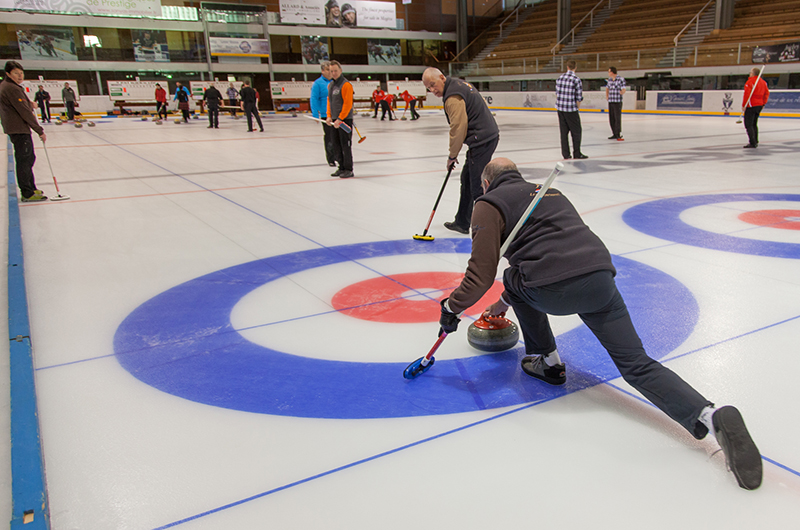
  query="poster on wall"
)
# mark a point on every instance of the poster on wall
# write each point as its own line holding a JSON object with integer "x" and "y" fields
{"x": 52, "y": 44}
{"x": 150, "y": 46}
{"x": 147, "y": 8}
{"x": 782, "y": 53}
{"x": 339, "y": 13}
{"x": 384, "y": 52}
{"x": 314, "y": 49}
{"x": 239, "y": 47}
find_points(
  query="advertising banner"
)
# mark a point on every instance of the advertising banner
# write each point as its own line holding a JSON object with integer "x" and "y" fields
{"x": 52, "y": 44}
{"x": 239, "y": 47}
{"x": 150, "y": 46}
{"x": 783, "y": 101}
{"x": 142, "y": 8}
{"x": 384, "y": 52}
{"x": 314, "y": 49}
{"x": 782, "y": 53}
{"x": 339, "y": 13}
{"x": 680, "y": 101}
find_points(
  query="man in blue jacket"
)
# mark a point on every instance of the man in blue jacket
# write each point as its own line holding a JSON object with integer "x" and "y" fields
{"x": 319, "y": 109}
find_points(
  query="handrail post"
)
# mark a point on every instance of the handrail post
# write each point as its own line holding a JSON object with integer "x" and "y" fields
{"x": 638, "y": 56}
{"x": 695, "y": 55}
{"x": 674, "y": 55}
{"x": 502, "y": 67}
{"x": 598, "y": 61}
{"x": 523, "y": 65}
{"x": 537, "y": 65}
{"x": 591, "y": 19}
{"x": 739, "y": 55}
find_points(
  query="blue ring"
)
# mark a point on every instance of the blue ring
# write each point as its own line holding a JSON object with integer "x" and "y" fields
{"x": 182, "y": 342}
{"x": 661, "y": 219}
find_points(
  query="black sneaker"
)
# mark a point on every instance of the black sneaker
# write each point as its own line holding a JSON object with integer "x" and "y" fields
{"x": 337, "y": 172}
{"x": 580, "y": 156}
{"x": 535, "y": 366}
{"x": 741, "y": 452}
{"x": 346, "y": 174}
{"x": 749, "y": 146}
{"x": 612, "y": 137}
{"x": 455, "y": 228}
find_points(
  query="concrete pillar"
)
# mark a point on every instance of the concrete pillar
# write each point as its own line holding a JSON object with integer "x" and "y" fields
{"x": 462, "y": 31}
{"x": 564, "y": 21}
{"x": 723, "y": 17}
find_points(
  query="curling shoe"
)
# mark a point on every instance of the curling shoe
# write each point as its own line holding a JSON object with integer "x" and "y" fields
{"x": 37, "y": 196}
{"x": 346, "y": 174}
{"x": 337, "y": 173}
{"x": 741, "y": 452}
{"x": 535, "y": 366}
{"x": 455, "y": 228}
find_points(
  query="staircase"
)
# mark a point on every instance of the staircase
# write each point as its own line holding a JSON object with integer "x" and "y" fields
{"x": 689, "y": 40}
{"x": 507, "y": 30}
{"x": 581, "y": 36}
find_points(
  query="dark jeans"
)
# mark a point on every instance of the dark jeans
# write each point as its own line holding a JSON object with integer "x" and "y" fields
{"x": 751, "y": 115}
{"x": 45, "y": 108}
{"x": 70, "y": 109}
{"x": 595, "y": 299}
{"x": 615, "y": 118}
{"x": 385, "y": 107}
{"x": 569, "y": 123}
{"x": 343, "y": 146}
{"x": 213, "y": 115}
{"x": 25, "y": 158}
{"x": 232, "y": 103}
{"x": 329, "y": 135}
{"x": 377, "y": 106}
{"x": 161, "y": 108}
{"x": 414, "y": 113}
{"x": 252, "y": 112}
{"x": 476, "y": 160}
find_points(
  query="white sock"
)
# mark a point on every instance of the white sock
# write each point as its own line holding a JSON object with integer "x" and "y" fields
{"x": 706, "y": 416}
{"x": 552, "y": 358}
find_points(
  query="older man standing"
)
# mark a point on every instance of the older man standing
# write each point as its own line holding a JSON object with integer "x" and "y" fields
{"x": 319, "y": 109}
{"x": 69, "y": 98}
{"x": 471, "y": 122}
{"x": 18, "y": 119}
{"x": 340, "y": 110}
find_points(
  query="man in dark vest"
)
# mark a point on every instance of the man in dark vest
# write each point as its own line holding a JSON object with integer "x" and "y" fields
{"x": 249, "y": 104}
{"x": 471, "y": 122}
{"x": 558, "y": 266}
{"x": 213, "y": 97}
{"x": 340, "y": 110}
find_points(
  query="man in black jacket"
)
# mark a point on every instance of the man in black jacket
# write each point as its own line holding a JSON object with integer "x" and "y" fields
{"x": 249, "y": 104}
{"x": 558, "y": 266}
{"x": 212, "y": 96}
{"x": 42, "y": 98}
{"x": 471, "y": 122}
{"x": 18, "y": 119}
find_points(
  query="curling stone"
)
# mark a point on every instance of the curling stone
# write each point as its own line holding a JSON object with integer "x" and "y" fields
{"x": 177, "y": 120}
{"x": 90, "y": 124}
{"x": 196, "y": 116}
{"x": 79, "y": 125}
{"x": 493, "y": 334}
{"x": 59, "y": 122}
{"x": 294, "y": 114}
{"x": 158, "y": 122}
{"x": 144, "y": 118}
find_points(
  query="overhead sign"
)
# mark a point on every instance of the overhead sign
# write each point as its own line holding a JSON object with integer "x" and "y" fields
{"x": 239, "y": 47}
{"x": 339, "y": 13}
{"x": 133, "y": 90}
{"x": 146, "y": 8}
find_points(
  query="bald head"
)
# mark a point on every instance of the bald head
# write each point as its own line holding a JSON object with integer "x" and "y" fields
{"x": 497, "y": 167}
{"x": 434, "y": 81}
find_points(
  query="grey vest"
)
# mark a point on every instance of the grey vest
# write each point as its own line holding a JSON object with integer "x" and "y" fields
{"x": 481, "y": 127}
{"x": 335, "y": 98}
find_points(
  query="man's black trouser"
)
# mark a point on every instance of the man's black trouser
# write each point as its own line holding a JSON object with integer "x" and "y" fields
{"x": 161, "y": 108}
{"x": 45, "y": 108}
{"x": 25, "y": 158}
{"x": 232, "y": 103}
{"x": 412, "y": 107}
{"x": 251, "y": 112}
{"x": 476, "y": 159}
{"x": 329, "y": 136}
{"x": 751, "y": 115}
{"x": 615, "y": 117}
{"x": 70, "y": 109}
{"x": 595, "y": 299}
{"x": 213, "y": 115}
{"x": 343, "y": 146}
{"x": 569, "y": 123}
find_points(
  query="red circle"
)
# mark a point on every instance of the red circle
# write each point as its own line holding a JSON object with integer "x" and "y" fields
{"x": 773, "y": 218}
{"x": 399, "y": 298}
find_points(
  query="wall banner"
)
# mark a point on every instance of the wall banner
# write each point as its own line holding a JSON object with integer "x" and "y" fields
{"x": 339, "y": 13}
{"x": 782, "y": 53}
{"x": 239, "y": 47}
{"x": 144, "y": 8}
{"x": 680, "y": 101}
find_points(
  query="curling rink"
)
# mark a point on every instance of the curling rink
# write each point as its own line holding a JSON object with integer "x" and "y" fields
{"x": 220, "y": 330}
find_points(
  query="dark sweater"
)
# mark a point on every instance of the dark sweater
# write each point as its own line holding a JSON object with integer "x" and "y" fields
{"x": 15, "y": 110}
{"x": 554, "y": 245}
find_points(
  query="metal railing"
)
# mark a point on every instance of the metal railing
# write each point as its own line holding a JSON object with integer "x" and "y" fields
{"x": 590, "y": 15}
{"x": 697, "y": 27}
{"x": 483, "y": 38}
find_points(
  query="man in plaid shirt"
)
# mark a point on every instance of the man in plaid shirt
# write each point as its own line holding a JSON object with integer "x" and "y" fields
{"x": 615, "y": 87}
{"x": 569, "y": 94}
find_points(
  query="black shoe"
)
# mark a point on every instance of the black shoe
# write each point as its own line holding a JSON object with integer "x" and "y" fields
{"x": 346, "y": 174}
{"x": 262, "y": 130}
{"x": 580, "y": 156}
{"x": 250, "y": 130}
{"x": 535, "y": 366}
{"x": 216, "y": 126}
{"x": 210, "y": 127}
{"x": 567, "y": 157}
{"x": 612, "y": 137}
{"x": 455, "y": 228}
{"x": 749, "y": 146}
{"x": 337, "y": 172}
{"x": 332, "y": 164}
{"x": 741, "y": 452}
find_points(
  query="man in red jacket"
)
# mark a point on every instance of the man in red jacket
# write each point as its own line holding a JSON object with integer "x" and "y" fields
{"x": 377, "y": 97}
{"x": 411, "y": 102}
{"x": 161, "y": 101}
{"x": 756, "y": 95}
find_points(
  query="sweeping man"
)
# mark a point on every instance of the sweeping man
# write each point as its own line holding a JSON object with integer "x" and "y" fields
{"x": 558, "y": 266}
